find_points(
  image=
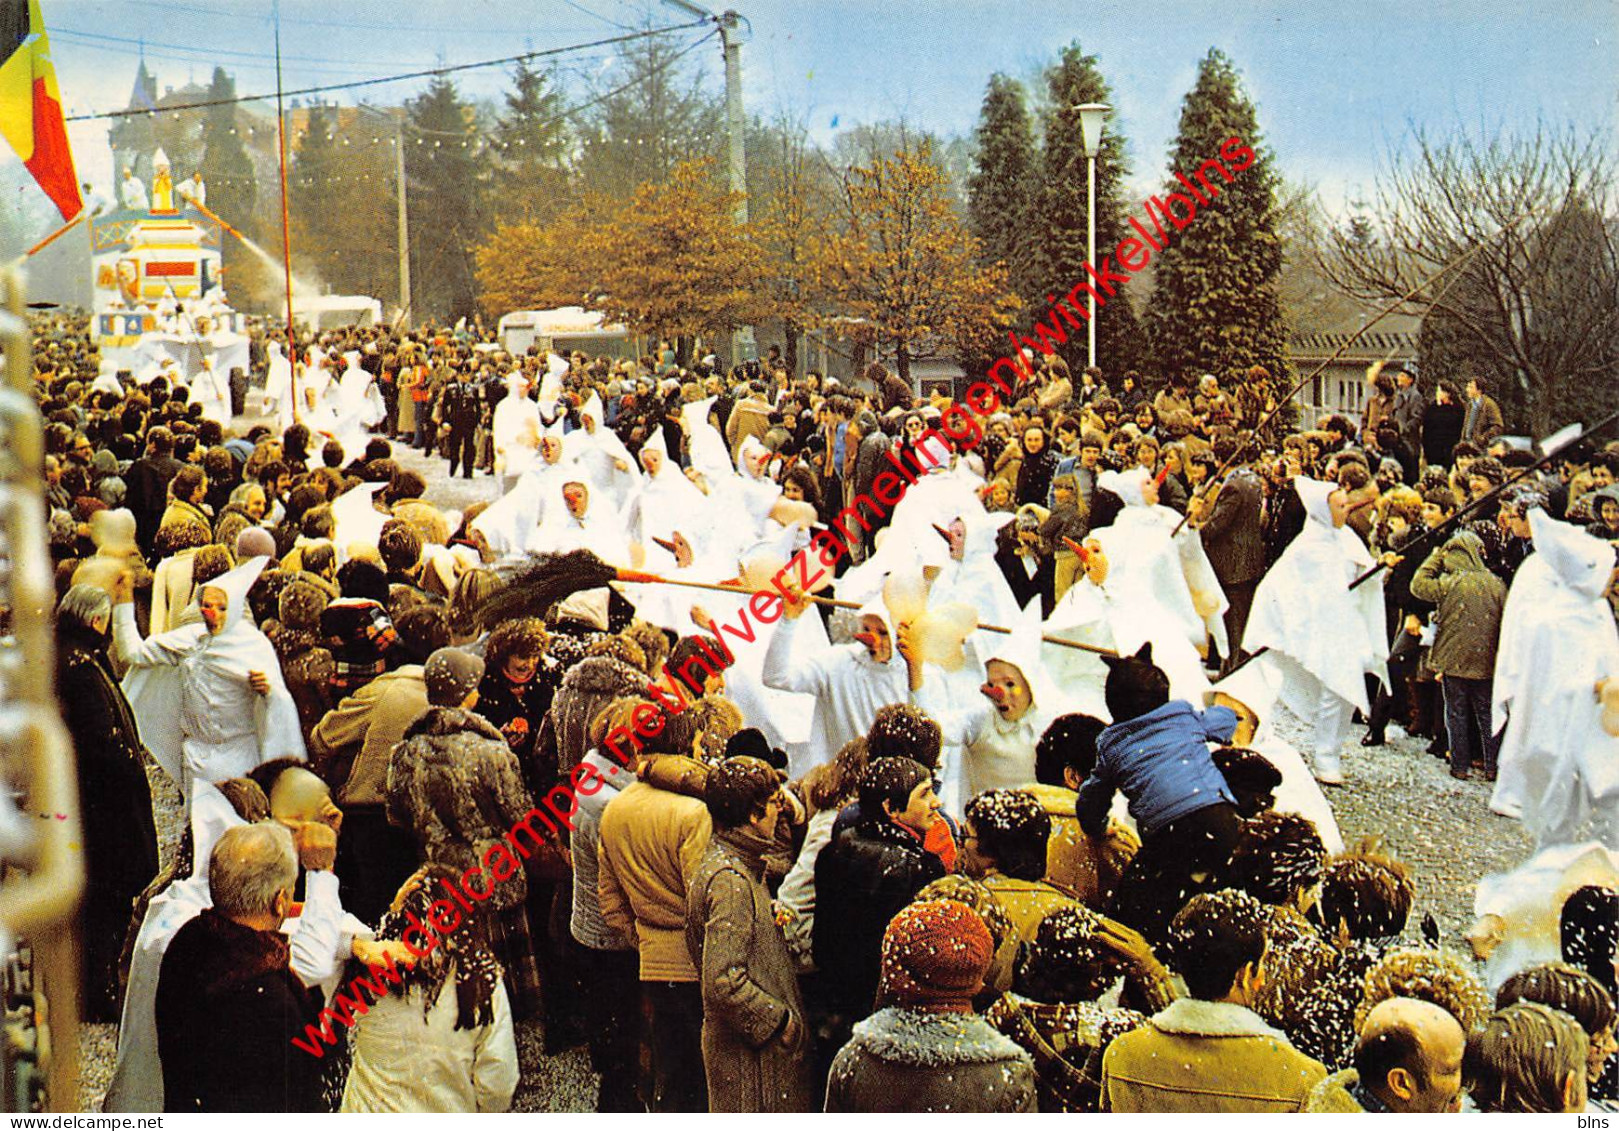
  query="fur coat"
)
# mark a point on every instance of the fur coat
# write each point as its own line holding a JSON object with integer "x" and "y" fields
{"x": 917, "y": 1061}
{"x": 455, "y": 784}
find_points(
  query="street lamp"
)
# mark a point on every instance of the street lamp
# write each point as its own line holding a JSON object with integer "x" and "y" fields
{"x": 1091, "y": 116}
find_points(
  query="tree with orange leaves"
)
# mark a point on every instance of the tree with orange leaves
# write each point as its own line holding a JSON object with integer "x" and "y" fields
{"x": 898, "y": 256}
{"x": 668, "y": 262}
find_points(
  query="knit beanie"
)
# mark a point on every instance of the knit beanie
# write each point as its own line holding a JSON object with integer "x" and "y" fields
{"x": 451, "y": 676}
{"x": 935, "y": 954}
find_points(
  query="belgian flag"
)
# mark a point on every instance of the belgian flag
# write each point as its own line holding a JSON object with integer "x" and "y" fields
{"x": 31, "y": 104}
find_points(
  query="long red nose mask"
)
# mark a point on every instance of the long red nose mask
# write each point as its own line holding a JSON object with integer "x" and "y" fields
{"x": 666, "y": 544}
{"x": 1084, "y": 554}
{"x": 996, "y": 694}
{"x": 869, "y": 639}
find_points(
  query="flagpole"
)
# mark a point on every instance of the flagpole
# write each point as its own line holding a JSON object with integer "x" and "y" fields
{"x": 286, "y": 223}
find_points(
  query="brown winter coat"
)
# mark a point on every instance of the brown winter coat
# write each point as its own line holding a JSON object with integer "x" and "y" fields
{"x": 750, "y": 985}
{"x": 1026, "y": 902}
{"x": 907, "y": 1060}
{"x": 750, "y": 417}
{"x": 454, "y": 783}
{"x": 1072, "y": 858}
{"x": 352, "y": 744}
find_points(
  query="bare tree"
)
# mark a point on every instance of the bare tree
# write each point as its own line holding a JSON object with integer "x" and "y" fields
{"x": 1521, "y": 234}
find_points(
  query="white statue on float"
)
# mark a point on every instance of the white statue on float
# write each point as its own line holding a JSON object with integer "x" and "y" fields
{"x": 132, "y": 191}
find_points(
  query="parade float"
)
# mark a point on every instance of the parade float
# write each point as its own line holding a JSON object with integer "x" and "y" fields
{"x": 159, "y": 292}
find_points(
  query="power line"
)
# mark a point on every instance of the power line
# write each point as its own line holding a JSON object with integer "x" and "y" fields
{"x": 430, "y": 73}
{"x": 210, "y": 52}
{"x": 197, "y": 9}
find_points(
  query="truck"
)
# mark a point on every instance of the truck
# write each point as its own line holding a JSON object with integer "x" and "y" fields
{"x": 566, "y": 328}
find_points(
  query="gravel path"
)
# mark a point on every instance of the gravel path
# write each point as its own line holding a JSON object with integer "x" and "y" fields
{"x": 1440, "y": 827}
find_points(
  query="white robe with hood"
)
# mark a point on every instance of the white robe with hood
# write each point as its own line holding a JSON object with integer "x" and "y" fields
{"x": 278, "y": 387}
{"x": 998, "y": 753}
{"x": 516, "y": 429}
{"x": 848, "y": 685}
{"x": 1144, "y": 557}
{"x": 1559, "y": 768}
{"x": 1304, "y": 611}
{"x": 599, "y": 454}
{"x": 190, "y": 696}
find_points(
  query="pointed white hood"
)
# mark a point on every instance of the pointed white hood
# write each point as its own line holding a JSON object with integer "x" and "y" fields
{"x": 1581, "y": 562}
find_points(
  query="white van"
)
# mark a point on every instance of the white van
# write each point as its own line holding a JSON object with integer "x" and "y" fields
{"x": 567, "y": 328}
{"x": 328, "y": 312}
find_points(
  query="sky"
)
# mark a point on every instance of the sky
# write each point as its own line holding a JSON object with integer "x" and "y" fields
{"x": 1338, "y": 87}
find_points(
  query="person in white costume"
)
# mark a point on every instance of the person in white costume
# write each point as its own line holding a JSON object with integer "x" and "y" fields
{"x": 1145, "y": 557}
{"x": 359, "y": 406}
{"x": 1559, "y": 769}
{"x": 211, "y": 389}
{"x": 208, "y": 697}
{"x": 603, "y": 456}
{"x": 1110, "y": 610}
{"x": 999, "y": 733}
{"x": 322, "y": 936}
{"x": 132, "y": 191}
{"x": 516, "y": 429}
{"x": 1325, "y": 636}
{"x": 849, "y": 681}
{"x": 278, "y": 400}
{"x": 512, "y": 521}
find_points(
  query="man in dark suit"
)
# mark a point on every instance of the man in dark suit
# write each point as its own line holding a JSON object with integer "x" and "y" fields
{"x": 1483, "y": 422}
{"x": 1233, "y": 538}
{"x": 148, "y": 485}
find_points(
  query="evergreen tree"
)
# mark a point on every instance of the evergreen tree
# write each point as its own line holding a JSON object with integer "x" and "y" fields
{"x": 1216, "y": 304}
{"x": 445, "y": 201}
{"x": 1002, "y": 183}
{"x": 1061, "y": 232}
{"x": 531, "y": 145}
{"x": 227, "y": 170}
{"x": 316, "y": 166}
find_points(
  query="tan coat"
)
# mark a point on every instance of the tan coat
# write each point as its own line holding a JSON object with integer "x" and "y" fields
{"x": 171, "y": 591}
{"x": 1199, "y": 1056}
{"x": 750, "y": 417}
{"x": 1072, "y": 860}
{"x": 179, "y": 510}
{"x": 651, "y": 841}
{"x": 1026, "y": 902}
{"x": 365, "y": 727}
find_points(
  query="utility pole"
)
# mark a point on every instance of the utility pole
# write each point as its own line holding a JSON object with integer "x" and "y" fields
{"x": 733, "y": 34}
{"x": 404, "y": 224}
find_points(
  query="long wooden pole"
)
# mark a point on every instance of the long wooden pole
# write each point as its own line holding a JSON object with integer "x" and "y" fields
{"x": 655, "y": 579}
{"x": 286, "y": 213}
{"x": 56, "y": 235}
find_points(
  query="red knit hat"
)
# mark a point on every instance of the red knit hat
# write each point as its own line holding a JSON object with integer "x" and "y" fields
{"x": 935, "y": 953}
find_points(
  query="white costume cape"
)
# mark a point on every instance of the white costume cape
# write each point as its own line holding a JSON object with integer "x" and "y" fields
{"x": 189, "y": 692}
{"x": 1558, "y": 767}
{"x": 1305, "y": 610}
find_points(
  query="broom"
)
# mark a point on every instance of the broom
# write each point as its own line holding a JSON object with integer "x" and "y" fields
{"x": 534, "y": 588}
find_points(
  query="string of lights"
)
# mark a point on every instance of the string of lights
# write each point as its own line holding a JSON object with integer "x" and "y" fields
{"x": 432, "y": 72}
